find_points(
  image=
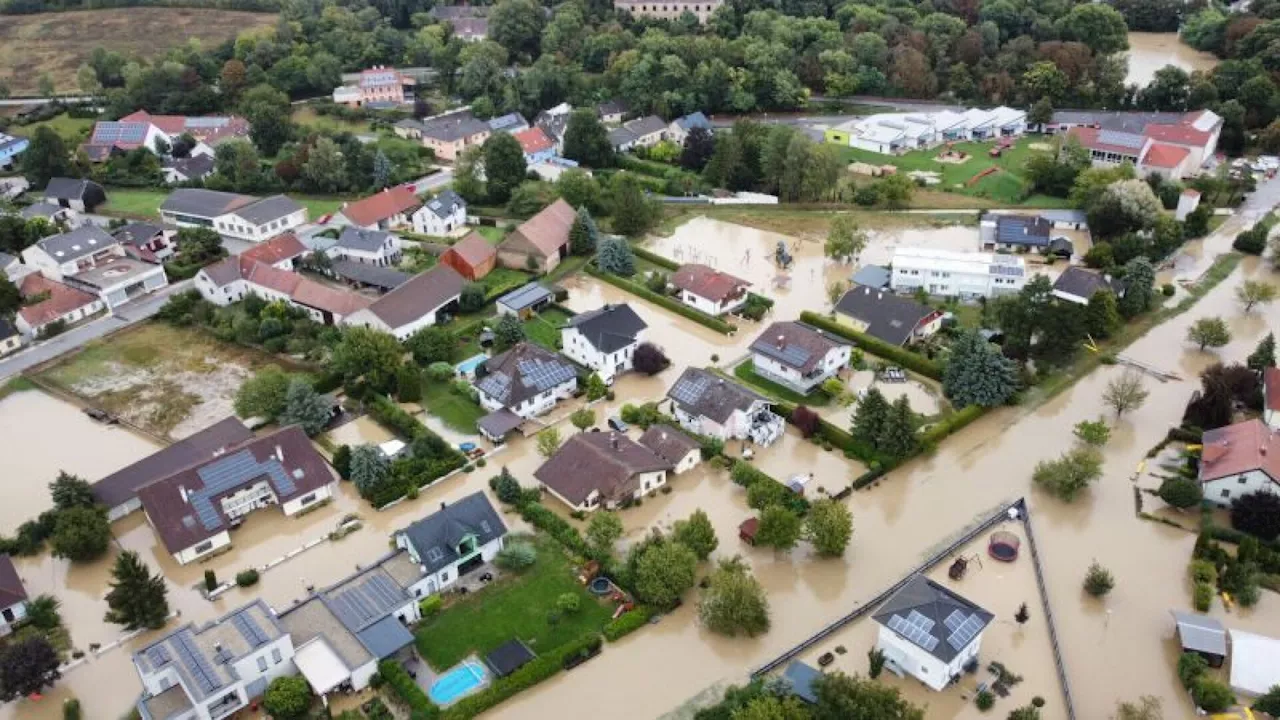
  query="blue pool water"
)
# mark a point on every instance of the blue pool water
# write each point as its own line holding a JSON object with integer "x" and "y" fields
{"x": 468, "y": 366}
{"x": 462, "y": 680}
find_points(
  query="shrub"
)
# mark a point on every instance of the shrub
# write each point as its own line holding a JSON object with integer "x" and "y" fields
{"x": 1190, "y": 667}
{"x": 430, "y": 605}
{"x": 1098, "y": 581}
{"x": 569, "y": 603}
{"x": 505, "y": 486}
{"x": 985, "y": 700}
{"x": 555, "y": 526}
{"x": 247, "y": 578}
{"x": 397, "y": 678}
{"x": 1203, "y": 571}
{"x": 627, "y": 623}
{"x": 1202, "y": 596}
{"x": 1211, "y": 695}
{"x": 439, "y": 372}
{"x": 1181, "y": 492}
{"x": 516, "y": 556}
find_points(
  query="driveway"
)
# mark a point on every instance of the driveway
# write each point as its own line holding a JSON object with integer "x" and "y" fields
{"x": 77, "y": 336}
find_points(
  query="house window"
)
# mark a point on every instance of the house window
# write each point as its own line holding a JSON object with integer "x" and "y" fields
{"x": 262, "y": 664}
{"x": 204, "y": 547}
{"x": 1226, "y": 492}
{"x": 1241, "y": 480}
{"x": 275, "y": 656}
{"x": 309, "y": 499}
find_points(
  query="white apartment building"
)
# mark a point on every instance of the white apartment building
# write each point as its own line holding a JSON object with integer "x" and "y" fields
{"x": 242, "y": 217}
{"x": 965, "y": 275}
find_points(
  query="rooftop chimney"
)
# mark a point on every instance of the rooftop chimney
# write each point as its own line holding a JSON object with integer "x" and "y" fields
{"x": 782, "y": 341}
{"x": 279, "y": 453}
{"x": 182, "y": 490}
{"x": 613, "y": 440}
{"x": 442, "y": 504}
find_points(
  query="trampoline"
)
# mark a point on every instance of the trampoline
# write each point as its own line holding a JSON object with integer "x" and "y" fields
{"x": 1003, "y": 546}
{"x": 601, "y": 586}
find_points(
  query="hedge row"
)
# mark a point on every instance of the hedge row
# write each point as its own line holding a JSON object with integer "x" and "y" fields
{"x": 746, "y": 475}
{"x": 675, "y": 306}
{"x": 655, "y": 258}
{"x": 397, "y": 678}
{"x": 397, "y": 419}
{"x": 627, "y": 623}
{"x": 875, "y": 346}
{"x": 952, "y": 423}
{"x": 532, "y": 673}
{"x": 555, "y": 526}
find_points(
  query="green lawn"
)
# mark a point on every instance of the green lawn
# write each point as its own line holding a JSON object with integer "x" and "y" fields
{"x": 747, "y": 374}
{"x": 460, "y": 413}
{"x": 1003, "y": 186}
{"x": 308, "y": 117}
{"x": 501, "y": 281}
{"x": 544, "y": 328}
{"x": 72, "y": 130}
{"x": 318, "y": 207}
{"x": 136, "y": 203}
{"x": 517, "y": 606}
{"x": 493, "y": 234}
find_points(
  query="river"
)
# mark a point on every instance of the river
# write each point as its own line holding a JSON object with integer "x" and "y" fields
{"x": 1148, "y": 52}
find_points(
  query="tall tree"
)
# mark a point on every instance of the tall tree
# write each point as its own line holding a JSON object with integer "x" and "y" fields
{"x": 977, "y": 374}
{"x": 664, "y": 571}
{"x": 325, "y": 170}
{"x": 583, "y": 235}
{"x": 1264, "y": 356}
{"x": 1102, "y": 315}
{"x": 1139, "y": 292}
{"x": 603, "y": 531}
{"x": 306, "y": 407}
{"x": 897, "y": 437}
{"x": 633, "y": 211}
{"x": 870, "y": 416}
{"x": 698, "y": 147}
{"x": 80, "y": 534}
{"x": 1125, "y": 393}
{"x": 697, "y": 534}
{"x": 137, "y": 598}
{"x": 829, "y": 526}
{"x": 614, "y": 255}
{"x": 27, "y": 667}
{"x": 504, "y": 166}
{"x": 587, "y": 141}
{"x": 370, "y": 469}
{"x": 263, "y": 395}
{"x": 268, "y": 112}
{"x": 845, "y": 241}
{"x": 517, "y": 26}
{"x": 734, "y": 601}
{"x": 364, "y": 352}
{"x": 1209, "y": 332}
{"x": 779, "y": 527}
{"x": 46, "y": 157}
{"x": 10, "y": 296}
{"x": 287, "y": 698}
{"x": 70, "y": 491}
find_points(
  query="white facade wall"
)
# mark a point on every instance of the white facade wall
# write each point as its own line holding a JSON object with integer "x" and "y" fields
{"x": 446, "y": 576}
{"x": 1223, "y": 490}
{"x": 117, "y": 295}
{"x": 319, "y": 495}
{"x": 736, "y": 427}
{"x": 426, "y": 222}
{"x": 955, "y": 274}
{"x": 11, "y": 615}
{"x": 73, "y": 316}
{"x": 366, "y": 318}
{"x": 203, "y": 548}
{"x": 921, "y": 665}
{"x": 835, "y": 359}
{"x": 534, "y": 406}
{"x": 688, "y": 462}
{"x": 609, "y": 365}
{"x": 711, "y": 307}
{"x": 232, "y": 225}
{"x": 273, "y": 660}
{"x": 10, "y": 344}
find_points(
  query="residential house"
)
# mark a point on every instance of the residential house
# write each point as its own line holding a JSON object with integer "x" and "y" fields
{"x": 242, "y": 217}
{"x": 282, "y": 252}
{"x": 230, "y": 280}
{"x": 883, "y": 315}
{"x": 1188, "y": 202}
{"x": 89, "y": 259}
{"x": 672, "y": 445}
{"x": 644, "y": 131}
{"x": 965, "y": 275}
{"x": 1065, "y": 219}
{"x": 509, "y": 123}
{"x": 371, "y": 247}
{"x": 706, "y": 404}
{"x": 442, "y": 214}
{"x": 427, "y": 299}
{"x": 118, "y": 492}
{"x": 1003, "y": 232}
{"x": 473, "y": 256}
{"x": 612, "y": 112}
{"x": 526, "y": 380}
{"x": 680, "y": 128}
{"x": 75, "y": 194}
{"x": 798, "y": 356}
{"x": 1113, "y": 147}
{"x": 447, "y": 134}
{"x": 604, "y": 469}
{"x": 193, "y": 510}
{"x": 670, "y": 10}
{"x": 146, "y": 241}
{"x": 604, "y": 339}
{"x": 208, "y": 672}
{"x": 472, "y": 29}
{"x": 51, "y": 212}
{"x": 13, "y": 269}
{"x": 1271, "y": 398}
{"x": 10, "y": 337}
{"x": 119, "y": 280}
{"x": 452, "y": 541}
{"x": 713, "y": 292}
{"x": 1116, "y": 137}
{"x": 159, "y": 133}
{"x": 392, "y": 208}
{"x": 929, "y": 632}
{"x": 379, "y": 86}
{"x": 10, "y": 148}
{"x": 1238, "y": 460}
{"x": 1078, "y": 285}
{"x": 13, "y": 596}
{"x": 49, "y": 302}
{"x": 536, "y": 145}
{"x": 192, "y": 167}
{"x": 540, "y": 242}
{"x": 553, "y": 121}
{"x": 525, "y": 300}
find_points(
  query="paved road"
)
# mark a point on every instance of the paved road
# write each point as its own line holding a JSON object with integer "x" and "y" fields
{"x": 77, "y": 336}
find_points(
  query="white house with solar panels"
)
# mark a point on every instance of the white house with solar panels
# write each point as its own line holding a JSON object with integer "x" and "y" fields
{"x": 452, "y": 542}
{"x": 929, "y": 632}
{"x": 964, "y": 275}
{"x": 892, "y": 133}
{"x": 526, "y": 381}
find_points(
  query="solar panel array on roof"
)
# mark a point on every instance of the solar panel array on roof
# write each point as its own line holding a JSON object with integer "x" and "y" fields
{"x": 792, "y": 355}
{"x": 688, "y": 390}
{"x": 111, "y": 132}
{"x": 544, "y": 375}
{"x": 367, "y": 601}
{"x": 915, "y": 627}
{"x": 158, "y": 655}
{"x": 496, "y": 385}
{"x": 230, "y": 472}
{"x": 249, "y": 629}
{"x": 963, "y": 627}
{"x": 1121, "y": 139}
{"x": 201, "y": 672}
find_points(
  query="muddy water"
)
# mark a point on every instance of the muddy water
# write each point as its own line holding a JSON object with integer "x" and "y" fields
{"x": 1116, "y": 649}
{"x": 1148, "y": 52}
{"x": 361, "y": 431}
{"x": 54, "y": 435}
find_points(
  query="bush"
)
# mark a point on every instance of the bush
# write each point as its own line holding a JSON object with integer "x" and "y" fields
{"x": 1203, "y": 571}
{"x": 1098, "y": 581}
{"x": 1181, "y": 492}
{"x": 247, "y": 578}
{"x": 985, "y": 700}
{"x": 674, "y": 306}
{"x": 1211, "y": 695}
{"x": 1202, "y": 596}
{"x": 1190, "y": 667}
{"x": 555, "y": 526}
{"x": 1168, "y": 289}
{"x": 569, "y": 603}
{"x": 430, "y": 605}
{"x": 397, "y": 678}
{"x": 906, "y": 358}
{"x": 627, "y": 623}
{"x": 655, "y": 258}
{"x": 516, "y": 555}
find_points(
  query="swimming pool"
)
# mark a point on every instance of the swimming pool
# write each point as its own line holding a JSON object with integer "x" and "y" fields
{"x": 462, "y": 680}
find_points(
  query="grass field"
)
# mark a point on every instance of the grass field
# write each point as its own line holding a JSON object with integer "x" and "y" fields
{"x": 57, "y": 43}
{"x": 1004, "y": 186}
{"x": 516, "y": 606}
{"x": 458, "y": 412}
{"x": 493, "y": 234}
{"x": 72, "y": 130}
{"x": 544, "y": 328}
{"x": 501, "y": 281}
{"x": 136, "y": 203}
{"x": 308, "y": 117}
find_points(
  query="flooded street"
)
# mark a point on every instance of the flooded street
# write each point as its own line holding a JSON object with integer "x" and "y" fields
{"x": 1148, "y": 52}
{"x": 54, "y": 435}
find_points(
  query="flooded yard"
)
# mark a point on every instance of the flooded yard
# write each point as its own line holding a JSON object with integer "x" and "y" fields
{"x": 44, "y": 435}
{"x": 1148, "y": 52}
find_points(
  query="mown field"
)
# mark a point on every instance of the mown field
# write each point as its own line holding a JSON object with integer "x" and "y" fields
{"x": 57, "y": 43}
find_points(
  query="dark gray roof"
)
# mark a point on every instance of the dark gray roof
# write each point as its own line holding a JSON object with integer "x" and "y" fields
{"x": 1029, "y": 230}
{"x": 61, "y": 188}
{"x": 553, "y": 125}
{"x": 40, "y": 210}
{"x": 795, "y": 345}
{"x": 872, "y": 276}
{"x": 669, "y": 443}
{"x": 933, "y": 618}
{"x": 122, "y": 485}
{"x": 1084, "y": 283}
{"x": 137, "y": 233}
{"x": 7, "y": 330}
{"x": 365, "y": 598}
{"x": 708, "y": 395}
{"x": 508, "y": 122}
{"x": 621, "y": 136}
{"x": 611, "y": 107}
{"x": 203, "y": 203}
{"x": 423, "y": 293}
{"x": 84, "y": 240}
{"x": 889, "y": 317}
{"x": 499, "y": 422}
{"x": 647, "y": 125}
{"x": 800, "y": 677}
{"x": 453, "y": 126}
{"x": 435, "y": 538}
{"x": 6, "y": 260}
{"x": 609, "y": 328}
{"x": 522, "y": 372}
{"x": 385, "y": 637}
{"x": 268, "y": 209}
{"x": 355, "y": 238}
{"x": 194, "y": 167}
{"x": 1201, "y": 633}
{"x": 693, "y": 120}
{"x": 525, "y": 296}
{"x": 1131, "y": 122}
{"x": 445, "y": 204}
{"x": 384, "y": 278}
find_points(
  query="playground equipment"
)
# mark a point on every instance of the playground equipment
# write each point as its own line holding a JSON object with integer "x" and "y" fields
{"x": 1003, "y": 546}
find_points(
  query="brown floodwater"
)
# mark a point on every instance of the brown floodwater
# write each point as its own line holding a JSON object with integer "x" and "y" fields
{"x": 43, "y": 435}
{"x": 1148, "y": 52}
{"x": 1115, "y": 649}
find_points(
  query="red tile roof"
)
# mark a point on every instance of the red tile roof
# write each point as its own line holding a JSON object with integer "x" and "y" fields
{"x": 281, "y": 247}
{"x": 1179, "y": 134}
{"x": 1240, "y": 448}
{"x": 382, "y": 206}
{"x": 62, "y": 300}
{"x": 548, "y": 231}
{"x": 1165, "y": 156}
{"x": 533, "y": 140}
{"x": 474, "y": 249}
{"x": 303, "y": 290}
{"x": 705, "y": 281}
{"x": 1088, "y": 137}
{"x": 1271, "y": 386}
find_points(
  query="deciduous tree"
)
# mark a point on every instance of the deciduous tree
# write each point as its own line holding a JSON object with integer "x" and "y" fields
{"x": 583, "y": 418}
{"x": 1125, "y": 393}
{"x": 548, "y": 442}
{"x": 369, "y": 354}
{"x": 507, "y": 332}
{"x": 602, "y": 532}
{"x": 27, "y": 667}
{"x": 697, "y": 534}
{"x": 779, "y": 527}
{"x": 1255, "y": 292}
{"x": 734, "y": 601}
{"x": 287, "y": 698}
{"x": 432, "y": 344}
{"x": 1209, "y": 332}
{"x": 1257, "y": 513}
{"x": 845, "y": 241}
{"x": 829, "y": 526}
{"x": 649, "y": 359}
{"x": 80, "y": 534}
{"x": 587, "y": 141}
{"x": 504, "y": 166}
{"x": 1074, "y": 471}
{"x": 1264, "y": 356}
{"x": 664, "y": 571}
{"x": 841, "y": 697}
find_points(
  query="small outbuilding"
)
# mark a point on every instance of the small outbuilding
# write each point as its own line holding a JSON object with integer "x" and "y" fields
{"x": 1202, "y": 635}
{"x": 498, "y": 424}
{"x": 801, "y": 677}
{"x": 748, "y": 529}
{"x": 472, "y": 256}
{"x": 1255, "y": 663}
{"x": 509, "y": 657}
{"x": 525, "y": 300}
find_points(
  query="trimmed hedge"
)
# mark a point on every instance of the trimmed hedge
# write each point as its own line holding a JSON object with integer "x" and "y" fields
{"x": 393, "y": 416}
{"x": 875, "y": 346}
{"x": 397, "y": 678}
{"x": 838, "y": 437}
{"x": 532, "y": 673}
{"x": 675, "y": 306}
{"x": 952, "y": 423}
{"x": 627, "y": 623}
{"x": 555, "y": 526}
{"x": 655, "y": 258}
{"x": 746, "y": 475}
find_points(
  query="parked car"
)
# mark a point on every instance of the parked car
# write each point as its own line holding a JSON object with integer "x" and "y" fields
{"x": 615, "y": 423}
